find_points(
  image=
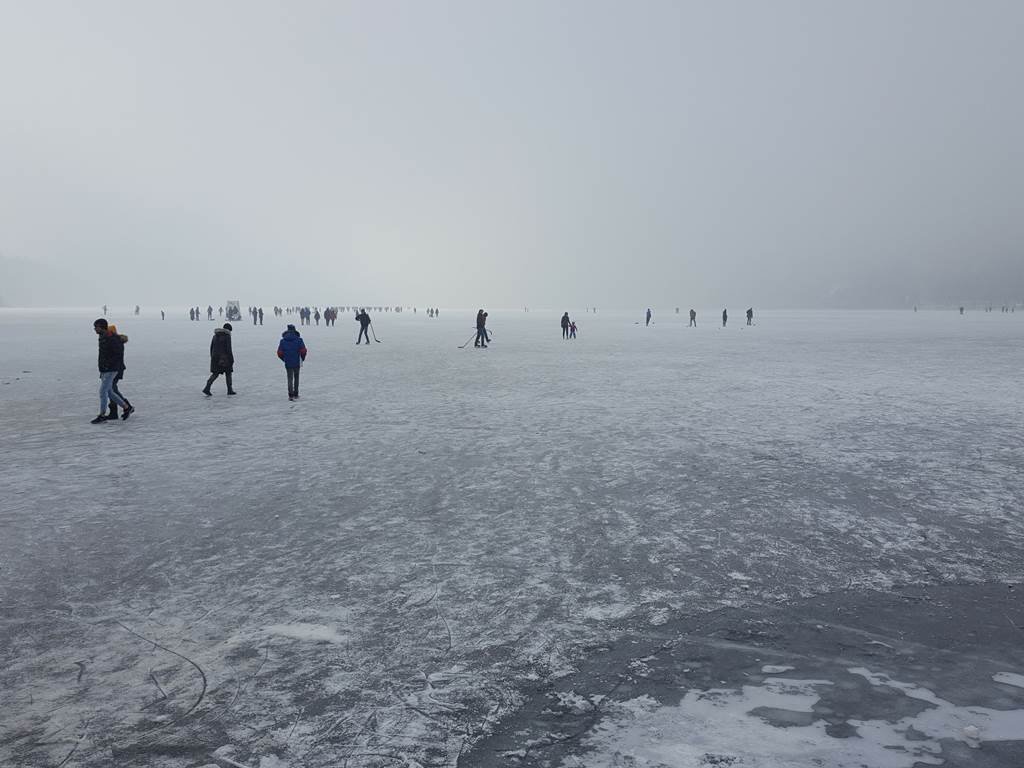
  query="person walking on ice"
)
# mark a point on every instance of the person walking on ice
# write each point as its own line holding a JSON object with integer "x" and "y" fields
{"x": 292, "y": 351}
{"x": 725, "y": 317}
{"x": 693, "y": 318}
{"x": 110, "y": 362}
{"x": 565, "y": 325}
{"x": 222, "y": 360}
{"x": 750, "y": 316}
{"x": 364, "y": 326}
{"x": 648, "y": 317}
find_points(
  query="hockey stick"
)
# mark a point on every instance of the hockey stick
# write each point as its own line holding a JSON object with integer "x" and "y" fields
{"x": 468, "y": 340}
{"x": 374, "y": 334}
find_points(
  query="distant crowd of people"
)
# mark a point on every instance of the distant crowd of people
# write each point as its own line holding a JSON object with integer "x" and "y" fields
{"x": 291, "y": 348}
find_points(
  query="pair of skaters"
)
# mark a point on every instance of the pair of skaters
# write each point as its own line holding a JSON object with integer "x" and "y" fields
{"x": 291, "y": 350}
{"x": 482, "y": 336}
{"x": 568, "y": 327}
{"x": 111, "y": 366}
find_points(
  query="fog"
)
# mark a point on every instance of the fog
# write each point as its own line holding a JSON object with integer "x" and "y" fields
{"x": 785, "y": 154}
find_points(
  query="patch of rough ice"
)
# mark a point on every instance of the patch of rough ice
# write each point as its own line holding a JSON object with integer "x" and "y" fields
{"x": 659, "y": 616}
{"x": 737, "y": 576}
{"x": 772, "y": 669}
{"x": 318, "y": 633}
{"x": 603, "y": 612}
{"x": 573, "y": 701}
{"x": 1009, "y": 678}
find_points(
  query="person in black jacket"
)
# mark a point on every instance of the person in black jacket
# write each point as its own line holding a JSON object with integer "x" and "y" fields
{"x": 364, "y": 324}
{"x": 565, "y": 325}
{"x": 222, "y": 360}
{"x": 110, "y": 363}
{"x": 481, "y": 330}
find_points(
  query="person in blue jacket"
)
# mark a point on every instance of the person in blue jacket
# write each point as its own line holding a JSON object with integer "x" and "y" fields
{"x": 292, "y": 350}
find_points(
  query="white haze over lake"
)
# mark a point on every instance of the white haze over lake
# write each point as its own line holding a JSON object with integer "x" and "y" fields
{"x": 502, "y": 154}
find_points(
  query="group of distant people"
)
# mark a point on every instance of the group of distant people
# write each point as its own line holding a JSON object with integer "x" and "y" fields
{"x": 693, "y": 317}
{"x": 194, "y": 313}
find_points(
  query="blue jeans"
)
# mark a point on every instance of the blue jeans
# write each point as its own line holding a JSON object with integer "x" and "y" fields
{"x": 107, "y": 391}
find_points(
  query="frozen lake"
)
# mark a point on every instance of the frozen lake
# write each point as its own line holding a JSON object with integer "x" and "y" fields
{"x": 391, "y": 570}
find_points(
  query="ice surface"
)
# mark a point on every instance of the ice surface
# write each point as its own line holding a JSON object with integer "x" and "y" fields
{"x": 725, "y": 727}
{"x": 1009, "y": 678}
{"x": 377, "y": 572}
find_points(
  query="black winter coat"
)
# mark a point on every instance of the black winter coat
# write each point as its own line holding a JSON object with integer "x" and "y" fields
{"x": 111, "y": 357}
{"x": 221, "y": 358}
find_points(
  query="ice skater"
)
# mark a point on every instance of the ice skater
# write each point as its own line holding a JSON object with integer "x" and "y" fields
{"x": 565, "y": 325}
{"x": 648, "y": 317}
{"x": 222, "y": 359}
{"x": 481, "y": 330}
{"x": 364, "y": 326}
{"x": 693, "y": 318}
{"x": 725, "y": 317}
{"x": 110, "y": 363}
{"x": 292, "y": 351}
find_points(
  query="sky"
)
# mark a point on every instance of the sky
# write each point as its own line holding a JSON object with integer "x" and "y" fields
{"x": 464, "y": 154}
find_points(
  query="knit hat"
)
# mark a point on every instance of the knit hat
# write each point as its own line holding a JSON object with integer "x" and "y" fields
{"x": 290, "y": 327}
{"x": 227, "y": 327}
{"x": 100, "y": 323}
